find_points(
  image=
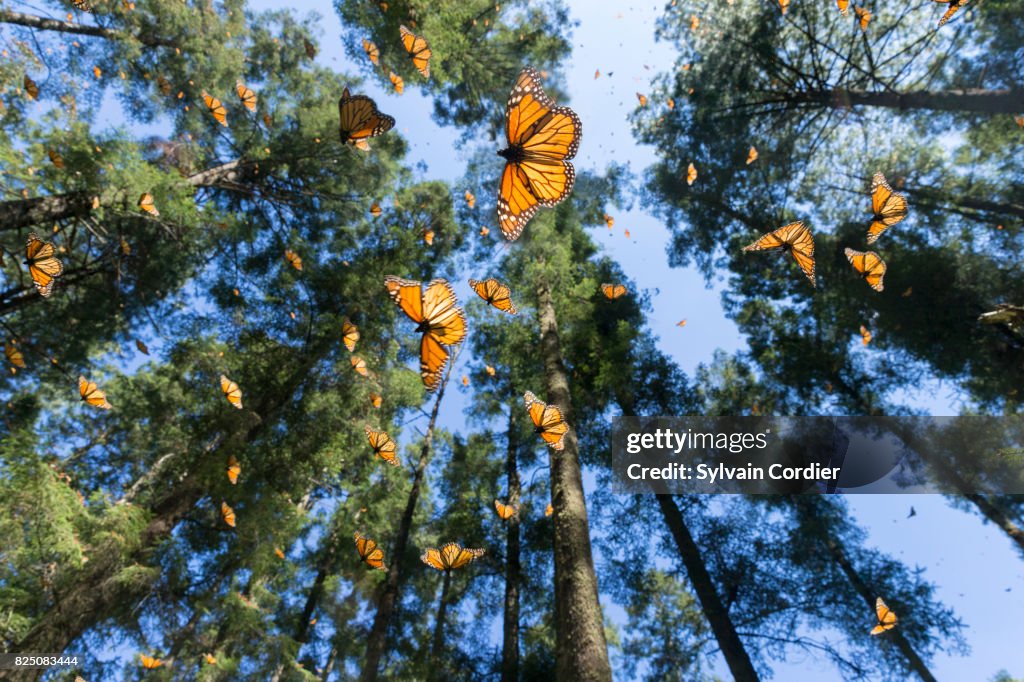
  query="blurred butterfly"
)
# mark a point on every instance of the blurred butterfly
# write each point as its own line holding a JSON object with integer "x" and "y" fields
{"x": 92, "y": 395}
{"x": 164, "y": 85}
{"x": 784, "y": 4}
{"x": 148, "y": 662}
{"x": 210, "y": 659}
{"x": 549, "y": 510}
{"x": 868, "y": 264}
{"x": 888, "y": 207}
{"x": 428, "y": 237}
{"x": 613, "y": 291}
{"x": 597, "y": 74}
{"x": 505, "y": 511}
{"x": 375, "y": 210}
{"x": 246, "y": 94}
{"x": 670, "y": 103}
{"x": 383, "y": 446}
{"x": 359, "y": 118}
{"x": 451, "y": 556}
{"x": 681, "y": 323}
{"x": 541, "y": 137}
{"x": 484, "y": 231}
{"x": 609, "y": 221}
{"x": 907, "y": 292}
{"x": 470, "y": 199}
{"x": 147, "y": 205}
{"x": 82, "y": 5}
{"x": 228, "y": 514}
{"x": 642, "y": 99}
{"x": 418, "y": 49}
{"x": 691, "y": 174}
{"x": 294, "y": 259}
{"x": 349, "y": 334}
{"x": 371, "y": 51}
{"x": 886, "y": 618}
{"x": 142, "y": 348}
{"x": 439, "y": 319}
{"x": 397, "y": 82}
{"x": 694, "y": 22}
{"x": 31, "y": 89}
{"x": 1019, "y": 120}
{"x": 794, "y": 238}
{"x": 14, "y": 356}
{"x": 309, "y": 47}
{"x": 375, "y": 399}
{"x": 495, "y": 293}
{"x": 55, "y": 158}
{"x": 465, "y": 380}
{"x": 43, "y": 265}
{"x": 863, "y": 15}
{"x": 843, "y": 6}
{"x": 231, "y": 391}
{"x": 218, "y": 110}
{"x": 865, "y": 335}
{"x": 954, "y": 5}
{"x": 370, "y": 552}
{"x": 547, "y": 421}
{"x": 359, "y": 365}
{"x": 751, "y": 155}
{"x": 490, "y": 370}
{"x": 234, "y": 470}
{"x": 278, "y": 553}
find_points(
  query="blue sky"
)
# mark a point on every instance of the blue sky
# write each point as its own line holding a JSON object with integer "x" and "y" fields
{"x": 973, "y": 564}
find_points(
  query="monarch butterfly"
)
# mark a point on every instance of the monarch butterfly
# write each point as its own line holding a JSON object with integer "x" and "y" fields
{"x": 784, "y": 4}
{"x": 418, "y": 49}
{"x": 863, "y": 15}
{"x": 371, "y": 51}
{"x": 375, "y": 210}
{"x": 886, "y": 618}
{"x": 147, "y": 205}
{"x": 219, "y": 112}
{"x": 691, "y": 174}
{"x": 681, "y": 323}
{"x": 490, "y": 370}
{"x": 954, "y": 5}
{"x": 370, "y": 552}
{"x": 470, "y": 199}
{"x": 549, "y": 510}
{"x": 505, "y": 511}
{"x": 375, "y": 399}
{"x": 613, "y": 291}
{"x": 231, "y": 391}
{"x": 294, "y": 259}
{"x": 360, "y": 119}
{"x": 278, "y": 553}
{"x": 228, "y": 514}
{"x": 888, "y": 207}
{"x": 143, "y": 348}
{"x": 82, "y": 5}
{"x": 541, "y": 137}
{"x": 547, "y": 421}
{"x": 234, "y": 470}
{"x": 309, "y": 47}
{"x": 1019, "y": 120}
{"x": 865, "y": 335}
{"x": 246, "y": 94}
{"x": 869, "y": 264}
{"x": 694, "y": 22}
{"x": 92, "y": 395}
{"x": 148, "y": 662}
{"x": 55, "y": 158}
{"x": 43, "y": 265}
{"x": 31, "y": 89}
{"x": 438, "y": 317}
{"x": 359, "y": 365}
{"x": 349, "y": 334}
{"x": 484, "y": 231}
{"x": 451, "y": 556}
{"x": 465, "y": 380}
{"x": 843, "y": 6}
{"x": 397, "y": 82}
{"x": 642, "y": 99}
{"x": 752, "y": 155}
{"x": 14, "y": 356}
{"x": 383, "y": 446}
{"x": 428, "y": 237}
{"x": 609, "y": 221}
{"x": 210, "y": 659}
{"x": 794, "y": 238}
{"x": 495, "y": 293}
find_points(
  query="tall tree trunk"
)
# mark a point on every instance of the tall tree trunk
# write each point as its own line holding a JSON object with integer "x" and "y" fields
{"x": 510, "y": 629}
{"x": 715, "y": 611}
{"x": 437, "y": 666}
{"x": 968, "y": 100}
{"x": 389, "y": 594}
{"x": 581, "y": 649}
{"x": 47, "y": 24}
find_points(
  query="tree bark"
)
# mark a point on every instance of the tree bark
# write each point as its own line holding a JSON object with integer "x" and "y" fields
{"x": 968, "y": 100}
{"x": 510, "y": 629}
{"x": 46, "y": 24}
{"x": 581, "y": 649}
{"x": 437, "y": 666}
{"x": 389, "y": 594}
{"x": 715, "y": 611}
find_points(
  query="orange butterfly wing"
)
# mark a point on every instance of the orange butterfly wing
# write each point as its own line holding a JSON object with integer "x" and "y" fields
{"x": 219, "y": 112}
{"x": 887, "y": 206}
{"x": 370, "y": 552}
{"x": 495, "y": 293}
{"x": 43, "y": 265}
{"x": 231, "y": 391}
{"x": 886, "y": 618}
{"x": 796, "y": 239}
{"x": 228, "y": 514}
{"x": 359, "y": 118}
{"x": 247, "y": 95}
{"x": 418, "y": 49}
{"x": 349, "y": 334}
{"x": 547, "y": 420}
{"x": 234, "y": 470}
{"x": 92, "y": 395}
{"x": 383, "y": 445}
{"x": 870, "y": 265}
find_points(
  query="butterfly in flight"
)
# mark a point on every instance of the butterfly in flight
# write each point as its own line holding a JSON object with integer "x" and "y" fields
{"x": 359, "y": 118}
{"x": 865, "y": 335}
{"x": 691, "y": 174}
{"x": 149, "y": 663}
{"x": 234, "y": 470}
{"x": 246, "y": 94}
{"x": 470, "y": 199}
{"x": 541, "y": 137}
{"x": 146, "y": 204}
{"x": 210, "y": 659}
{"x": 547, "y": 421}
{"x": 784, "y": 5}
{"x": 217, "y": 110}
{"x": 31, "y": 89}
{"x": 796, "y": 239}
{"x": 954, "y": 5}
{"x": 14, "y": 356}
{"x": 549, "y": 510}
{"x": 370, "y": 552}
{"x": 376, "y": 399}
{"x": 886, "y": 618}
{"x": 372, "y": 51}
{"x": 505, "y": 511}
{"x": 43, "y": 265}
{"x": 349, "y": 334}
{"x": 418, "y": 49}
{"x": 294, "y": 259}
{"x": 495, "y": 293}
{"x": 383, "y": 446}
{"x": 397, "y": 82}
{"x": 613, "y": 291}
{"x": 844, "y": 6}
{"x": 438, "y": 318}
{"x": 92, "y": 395}
{"x": 451, "y": 556}
{"x": 887, "y": 206}
{"x": 359, "y": 365}
{"x": 231, "y": 391}
{"x": 228, "y": 514}
{"x": 752, "y": 155}
{"x": 870, "y": 265}
{"x": 863, "y": 15}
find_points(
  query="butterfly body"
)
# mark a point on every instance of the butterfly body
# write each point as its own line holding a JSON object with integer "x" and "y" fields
{"x": 548, "y": 421}
{"x": 438, "y": 318}
{"x": 886, "y": 618}
{"x": 794, "y": 239}
{"x": 43, "y": 265}
{"x": 360, "y": 119}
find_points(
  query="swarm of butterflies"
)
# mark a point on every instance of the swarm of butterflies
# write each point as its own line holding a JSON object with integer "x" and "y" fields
{"x": 863, "y": 15}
